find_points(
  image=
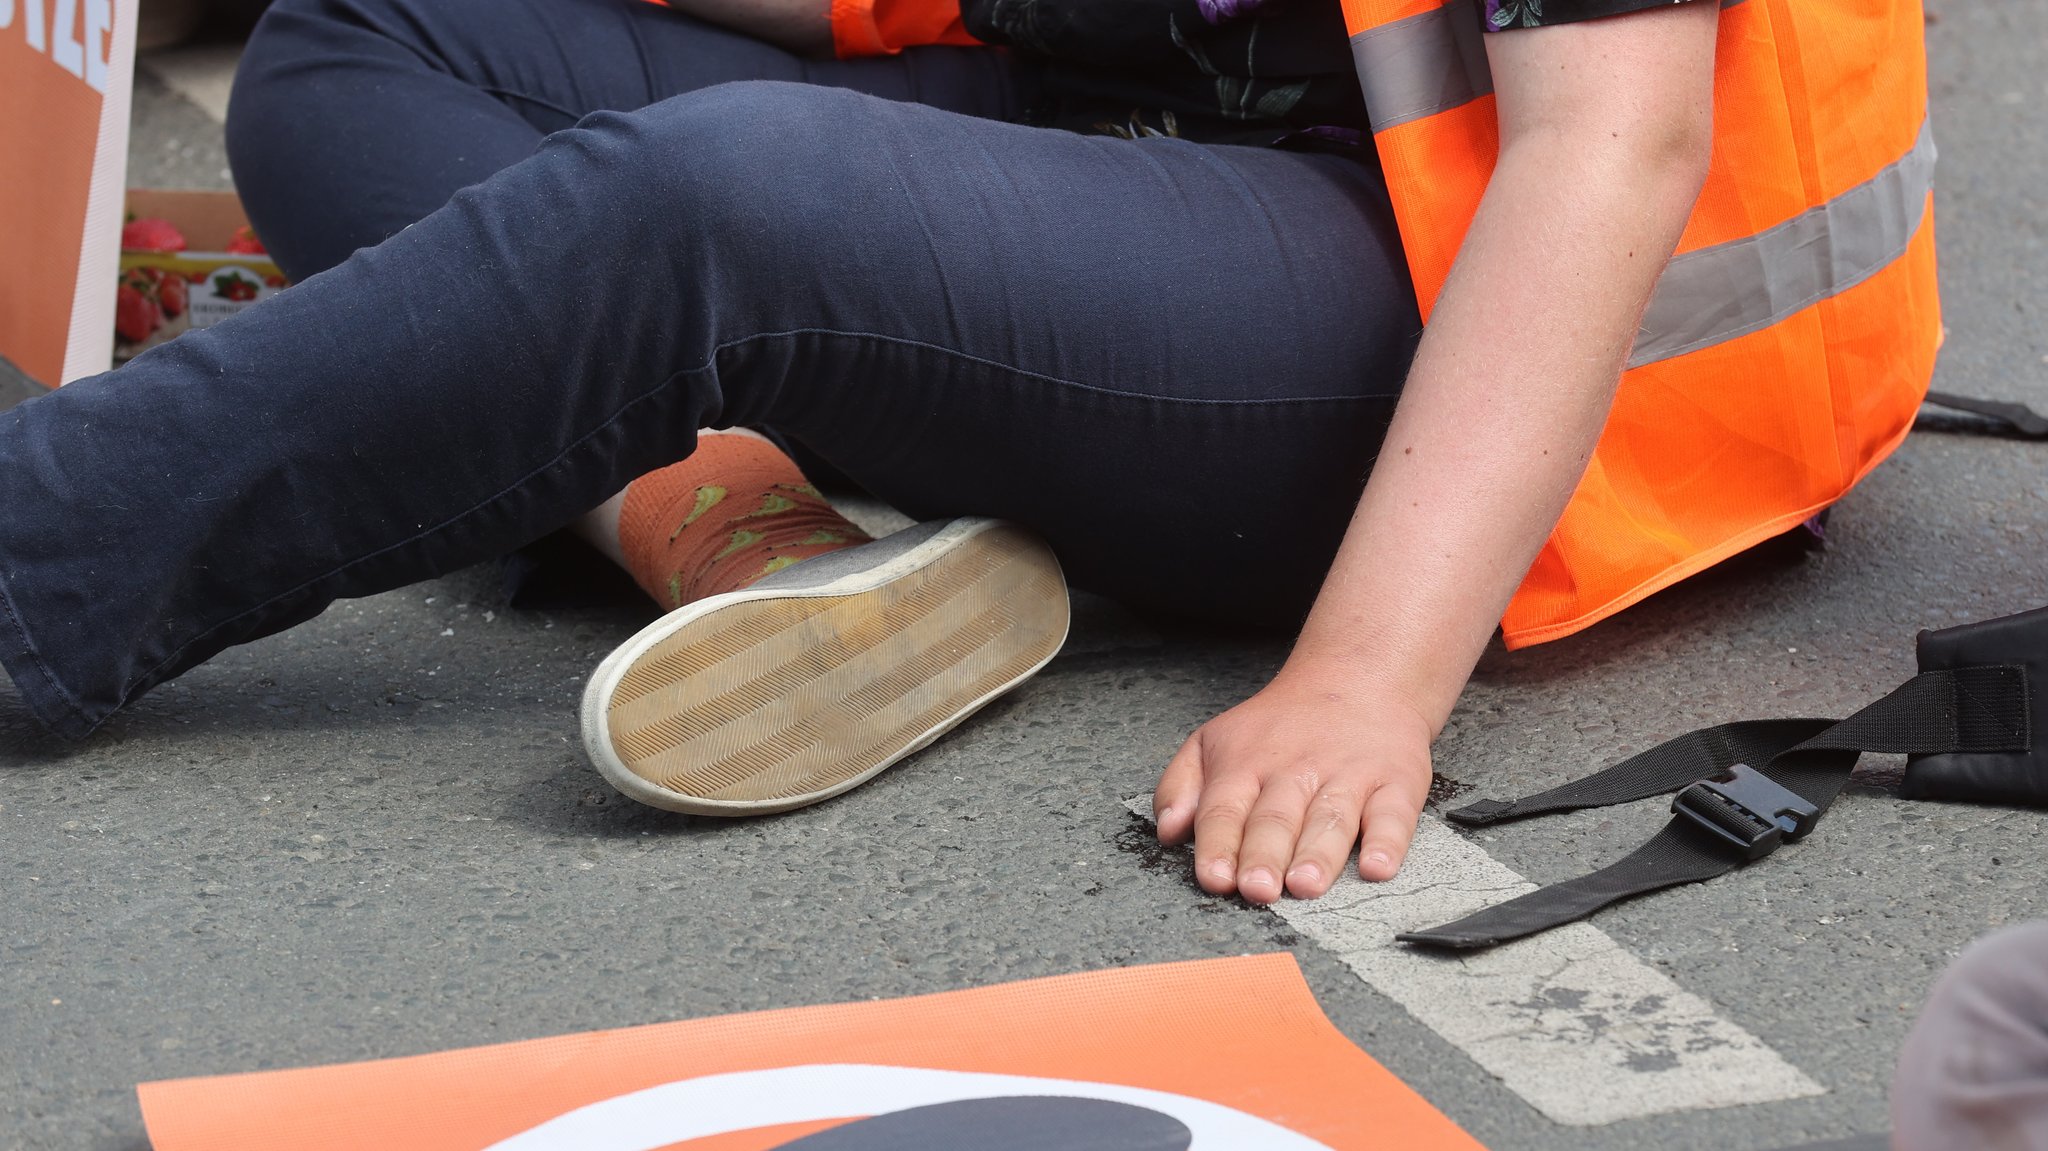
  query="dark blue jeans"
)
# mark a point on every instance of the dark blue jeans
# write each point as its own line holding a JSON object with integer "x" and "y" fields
{"x": 1175, "y": 361}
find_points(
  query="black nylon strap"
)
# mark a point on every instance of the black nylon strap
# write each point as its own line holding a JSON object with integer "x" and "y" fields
{"x": 2015, "y": 419}
{"x": 1976, "y": 709}
{"x": 1659, "y": 771}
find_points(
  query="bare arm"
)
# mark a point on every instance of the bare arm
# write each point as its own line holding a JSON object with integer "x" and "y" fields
{"x": 1605, "y": 134}
{"x": 799, "y": 25}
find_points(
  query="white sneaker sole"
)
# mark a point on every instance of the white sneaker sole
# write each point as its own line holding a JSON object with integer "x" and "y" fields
{"x": 775, "y": 697}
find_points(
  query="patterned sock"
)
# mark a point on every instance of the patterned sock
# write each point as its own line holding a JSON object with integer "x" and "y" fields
{"x": 736, "y": 510}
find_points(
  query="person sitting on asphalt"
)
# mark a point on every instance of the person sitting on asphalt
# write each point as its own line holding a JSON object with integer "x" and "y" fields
{"x": 1128, "y": 290}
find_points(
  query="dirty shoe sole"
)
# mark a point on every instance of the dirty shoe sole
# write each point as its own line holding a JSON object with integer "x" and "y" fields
{"x": 814, "y": 680}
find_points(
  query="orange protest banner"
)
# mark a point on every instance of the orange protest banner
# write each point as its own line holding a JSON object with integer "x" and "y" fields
{"x": 1217, "y": 1055}
{"x": 66, "y": 68}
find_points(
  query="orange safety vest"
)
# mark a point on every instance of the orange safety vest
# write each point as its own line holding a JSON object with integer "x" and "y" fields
{"x": 1789, "y": 342}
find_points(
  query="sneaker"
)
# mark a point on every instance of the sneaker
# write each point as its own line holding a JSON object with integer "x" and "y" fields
{"x": 814, "y": 680}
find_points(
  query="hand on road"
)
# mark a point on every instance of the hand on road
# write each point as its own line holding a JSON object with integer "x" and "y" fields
{"x": 1278, "y": 789}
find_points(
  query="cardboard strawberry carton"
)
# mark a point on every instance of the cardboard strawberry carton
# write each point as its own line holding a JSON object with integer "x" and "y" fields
{"x": 188, "y": 259}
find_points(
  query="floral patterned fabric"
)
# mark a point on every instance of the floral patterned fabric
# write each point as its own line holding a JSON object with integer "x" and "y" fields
{"x": 1502, "y": 15}
{"x": 1221, "y": 71}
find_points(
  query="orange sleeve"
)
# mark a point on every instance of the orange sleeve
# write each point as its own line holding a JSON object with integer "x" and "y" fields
{"x": 886, "y": 27}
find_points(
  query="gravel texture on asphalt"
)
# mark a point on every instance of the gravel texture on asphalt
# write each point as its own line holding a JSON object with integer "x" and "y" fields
{"x": 376, "y": 835}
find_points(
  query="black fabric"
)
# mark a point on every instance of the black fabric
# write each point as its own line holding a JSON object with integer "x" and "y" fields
{"x": 1975, "y": 709}
{"x": 1659, "y": 771}
{"x": 1973, "y": 773}
{"x": 1206, "y": 70}
{"x": 1681, "y": 853}
{"x": 1979, "y": 710}
{"x": 1505, "y": 15}
{"x": 1222, "y": 71}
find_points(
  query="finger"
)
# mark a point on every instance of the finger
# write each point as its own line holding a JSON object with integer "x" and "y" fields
{"x": 1328, "y": 829}
{"x": 1390, "y": 817}
{"x": 1219, "y": 831}
{"x": 1180, "y": 788}
{"x": 1269, "y": 835}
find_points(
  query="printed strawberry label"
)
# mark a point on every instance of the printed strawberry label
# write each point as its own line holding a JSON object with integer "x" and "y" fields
{"x": 162, "y": 295}
{"x": 227, "y": 290}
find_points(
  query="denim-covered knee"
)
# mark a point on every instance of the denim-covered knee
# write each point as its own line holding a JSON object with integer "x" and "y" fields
{"x": 290, "y": 29}
{"x": 783, "y": 180}
{"x": 274, "y": 79}
{"x": 263, "y": 74}
{"x": 291, "y": 104}
{"x": 290, "y": 35}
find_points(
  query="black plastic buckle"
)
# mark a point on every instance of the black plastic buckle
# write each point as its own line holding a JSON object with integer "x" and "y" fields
{"x": 1747, "y": 810}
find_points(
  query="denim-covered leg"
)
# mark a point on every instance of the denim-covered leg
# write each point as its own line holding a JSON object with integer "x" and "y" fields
{"x": 476, "y": 381}
{"x": 1173, "y": 361}
{"x": 354, "y": 118}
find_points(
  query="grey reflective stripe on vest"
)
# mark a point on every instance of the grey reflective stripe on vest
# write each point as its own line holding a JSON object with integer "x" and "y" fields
{"x": 1433, "y": 62}
{"x": 1420, "y": 65}
{"x": 1427, "y": 63}
{"x": 1711, "y": 295}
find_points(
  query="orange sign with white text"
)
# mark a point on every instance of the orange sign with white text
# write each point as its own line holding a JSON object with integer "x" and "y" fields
{"x": 1219, "y": 1055}
{"x": 65, "y": 73}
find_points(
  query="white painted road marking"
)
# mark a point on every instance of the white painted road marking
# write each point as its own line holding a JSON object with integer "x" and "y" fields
{"x": 1568, "y": 1020}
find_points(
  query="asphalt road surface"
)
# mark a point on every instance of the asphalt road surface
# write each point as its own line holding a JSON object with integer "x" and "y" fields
{"x": 376, "y": 836}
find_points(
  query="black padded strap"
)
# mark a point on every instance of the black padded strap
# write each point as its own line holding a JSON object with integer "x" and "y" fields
{"x": 1977, "y": 709}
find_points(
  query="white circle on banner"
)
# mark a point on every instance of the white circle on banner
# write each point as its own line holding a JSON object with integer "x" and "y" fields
{"x": 744, "y": 1100}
